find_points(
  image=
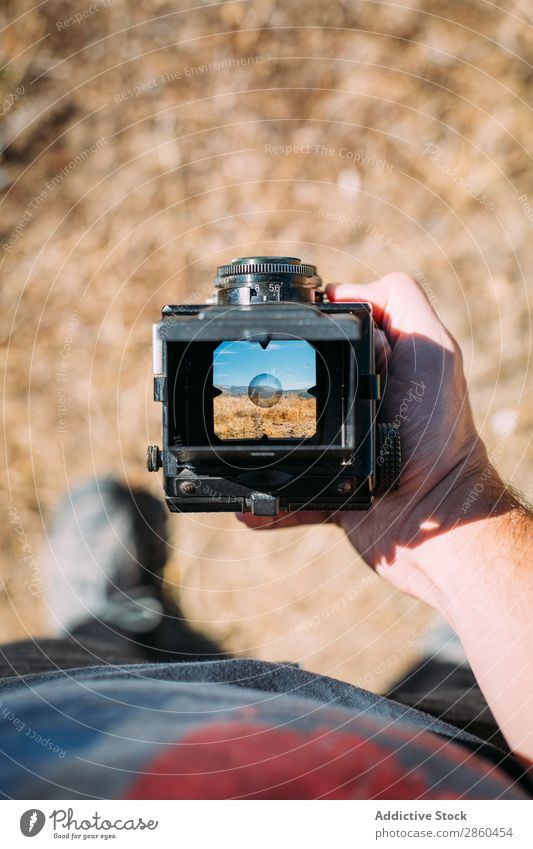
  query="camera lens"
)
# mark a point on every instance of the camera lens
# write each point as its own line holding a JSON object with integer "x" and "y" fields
{"x": 263, "y": 279}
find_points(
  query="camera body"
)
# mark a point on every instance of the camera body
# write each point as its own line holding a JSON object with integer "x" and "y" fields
{"x": 269, "y": 397}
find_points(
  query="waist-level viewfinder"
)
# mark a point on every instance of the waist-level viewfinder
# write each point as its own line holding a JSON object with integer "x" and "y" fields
{"x": 270, "y": 397}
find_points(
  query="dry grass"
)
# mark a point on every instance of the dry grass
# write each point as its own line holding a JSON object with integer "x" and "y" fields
{"x": 236, "y": 417}
{"x": 187, "y": 176}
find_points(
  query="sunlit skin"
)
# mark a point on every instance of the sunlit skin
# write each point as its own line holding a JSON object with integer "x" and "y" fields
{"x": 473, "y": 565}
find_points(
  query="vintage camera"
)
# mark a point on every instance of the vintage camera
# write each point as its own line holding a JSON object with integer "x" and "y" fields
{"x": 269, "y": 396}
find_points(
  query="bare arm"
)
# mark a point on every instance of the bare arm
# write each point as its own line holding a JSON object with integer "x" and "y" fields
{"x": 453, "y": 535}
{"x": 480, "y": 576}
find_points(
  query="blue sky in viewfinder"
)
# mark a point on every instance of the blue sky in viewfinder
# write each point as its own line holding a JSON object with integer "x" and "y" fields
{"x": 292, "y": 362}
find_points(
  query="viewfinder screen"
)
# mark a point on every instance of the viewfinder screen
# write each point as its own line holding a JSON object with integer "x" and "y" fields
{"x": 264, "y": 391}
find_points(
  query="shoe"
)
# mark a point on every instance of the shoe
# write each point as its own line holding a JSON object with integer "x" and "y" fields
{"x": 104, "y": 558}
{"x": 103, "y": 565}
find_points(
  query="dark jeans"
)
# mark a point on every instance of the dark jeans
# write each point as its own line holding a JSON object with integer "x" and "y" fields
{"x": 436, "y": 697}
{"x": 439, "y": 689}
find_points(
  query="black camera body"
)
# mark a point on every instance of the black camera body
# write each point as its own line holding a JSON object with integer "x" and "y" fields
{"x": 270, "y": 397}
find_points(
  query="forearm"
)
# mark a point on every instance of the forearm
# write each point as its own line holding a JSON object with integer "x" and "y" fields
{"x": 481, "y": 573}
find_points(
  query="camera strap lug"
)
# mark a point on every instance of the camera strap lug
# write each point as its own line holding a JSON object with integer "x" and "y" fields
{"x": 369, "y": 388}
{"x": 262, "y": 504}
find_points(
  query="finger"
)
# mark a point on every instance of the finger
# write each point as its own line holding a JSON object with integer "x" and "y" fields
{"x": 285, "y": 520}
{"x": 400, "y": 307}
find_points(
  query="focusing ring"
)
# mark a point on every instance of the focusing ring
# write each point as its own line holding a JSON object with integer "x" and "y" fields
{"x": 266, "y": 279}
{"x": 266, "y": 265}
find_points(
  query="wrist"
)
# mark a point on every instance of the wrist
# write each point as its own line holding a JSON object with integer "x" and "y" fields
{"x": 479, "y": 574}
{"x": 465, "y": 524}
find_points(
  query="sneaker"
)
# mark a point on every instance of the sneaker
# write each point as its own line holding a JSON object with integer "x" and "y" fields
{"x": 104, "y": 558}
{"x": 103, "y": 565}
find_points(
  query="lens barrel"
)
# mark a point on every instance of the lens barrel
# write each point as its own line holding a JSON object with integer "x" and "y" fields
{"x": 266, "y": 279}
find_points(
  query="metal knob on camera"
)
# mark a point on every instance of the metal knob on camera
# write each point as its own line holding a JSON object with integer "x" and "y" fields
{"x": 153, "y": 458}
{"x": 266, "y": 279}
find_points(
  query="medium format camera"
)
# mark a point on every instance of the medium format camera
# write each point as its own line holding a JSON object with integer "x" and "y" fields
{"x": 270, "y": 397}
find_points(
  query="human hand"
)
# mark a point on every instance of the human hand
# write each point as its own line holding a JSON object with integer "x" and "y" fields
{"x": 424, "y": 391}
{"x": 452, "y": 535}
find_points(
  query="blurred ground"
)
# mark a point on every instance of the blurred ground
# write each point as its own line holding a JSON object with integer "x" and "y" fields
{"x": 143, "y": 144}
